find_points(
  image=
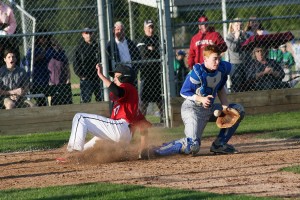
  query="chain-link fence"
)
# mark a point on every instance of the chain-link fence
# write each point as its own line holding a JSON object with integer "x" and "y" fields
{"x": 58, "y": 44}
{"x": 46, "y": 41}
{"x": 246, "y": 27}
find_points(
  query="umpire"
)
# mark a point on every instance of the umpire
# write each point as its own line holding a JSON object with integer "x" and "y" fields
{"x": 86, "y": 57}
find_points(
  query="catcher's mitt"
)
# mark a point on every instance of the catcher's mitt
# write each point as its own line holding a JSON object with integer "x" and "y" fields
{"x": 228, "y": 118}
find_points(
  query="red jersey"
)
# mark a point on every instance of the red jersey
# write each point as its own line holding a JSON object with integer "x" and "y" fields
{"x": 201, "y": 40}
{"x": 127, "y": 107}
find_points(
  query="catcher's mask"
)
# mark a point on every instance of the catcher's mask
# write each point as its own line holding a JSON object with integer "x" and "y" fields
{"x": 127, "y": 74}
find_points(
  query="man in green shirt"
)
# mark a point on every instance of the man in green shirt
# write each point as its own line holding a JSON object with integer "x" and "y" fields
{"x": 287, "y": 62}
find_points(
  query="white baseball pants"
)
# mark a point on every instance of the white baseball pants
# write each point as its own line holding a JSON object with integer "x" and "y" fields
{"x": 102, "y": 128}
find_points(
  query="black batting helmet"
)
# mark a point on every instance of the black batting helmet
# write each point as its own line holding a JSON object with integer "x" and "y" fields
{"x": 128, "y": 75}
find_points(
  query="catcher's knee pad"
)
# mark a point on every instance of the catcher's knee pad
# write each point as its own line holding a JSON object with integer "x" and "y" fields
{"x": 239, "y": 108}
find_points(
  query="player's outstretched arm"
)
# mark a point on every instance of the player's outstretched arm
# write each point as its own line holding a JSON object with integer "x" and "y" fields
{"x": 105, "y": 80}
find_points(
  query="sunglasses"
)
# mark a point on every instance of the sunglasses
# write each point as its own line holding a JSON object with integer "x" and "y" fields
{"x": 88, "y": 33}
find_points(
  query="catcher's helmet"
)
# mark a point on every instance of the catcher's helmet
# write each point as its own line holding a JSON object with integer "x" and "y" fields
{"x": 128, "y": 75}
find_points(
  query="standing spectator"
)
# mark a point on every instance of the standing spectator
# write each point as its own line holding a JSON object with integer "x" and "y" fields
{"x": 121, "y": 49}
{"x": 60, "y": 85}
{"x": 8, "y": 23}
{"x": 206, "y": 36}
{"x": 296, "y": 54}
{"x": 255, "y": 27}
{"x": 275, "y": 54}
{"x": 40, "y": 73}
{"x": 87, "y": 55}
{"x": 7, "y": 27}
{"x": 14, "y": 83}
{"x": 264, "y": 73}
{"x": 287, "y": 64}
{"x": 180, "y": 69}
{"x": 236, "y": 36}
{"x": 151, "y": 71}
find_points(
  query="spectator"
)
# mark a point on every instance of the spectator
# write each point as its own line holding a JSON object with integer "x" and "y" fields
{"x": 122, "y": 50}
{"x": 40, "y": 75}
{"x": 14, "y": 83}
{"x": 254, "y": 27}
{"x": 7, "y": 27}
{"x": 287, "y": 64}
{"x": 87, "y": 55}
{"x": 296, "y": 54}
{"x": 60, "y": 86}
{"x": 8, "y": 22}
{"x": 264, "y": 74}
{"x": 236, "y": 36}
{"x": 206, "y": 36}
{"x": 151, "y": 70}
{"x": 275, "y": 54}
{"x": 180, "y": 69}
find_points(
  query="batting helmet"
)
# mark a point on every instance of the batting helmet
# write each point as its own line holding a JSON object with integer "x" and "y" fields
{"x": 128, "y": 75}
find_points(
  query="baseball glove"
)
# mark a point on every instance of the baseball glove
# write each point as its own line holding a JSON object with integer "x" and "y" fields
{"x": 228, "y": 118}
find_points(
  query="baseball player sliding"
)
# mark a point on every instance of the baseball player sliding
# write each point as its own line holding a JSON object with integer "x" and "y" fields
{"x": 125, "y": 116}
{"x": 202, "y": 85}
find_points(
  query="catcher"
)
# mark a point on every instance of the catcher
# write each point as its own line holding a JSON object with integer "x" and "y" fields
{"x": 201, "y": 86}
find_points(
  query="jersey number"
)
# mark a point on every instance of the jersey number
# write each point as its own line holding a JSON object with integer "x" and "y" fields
{"x": 116, "y": 110}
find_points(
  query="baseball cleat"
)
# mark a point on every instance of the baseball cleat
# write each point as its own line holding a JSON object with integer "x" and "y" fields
{"x": 223, "y": 149}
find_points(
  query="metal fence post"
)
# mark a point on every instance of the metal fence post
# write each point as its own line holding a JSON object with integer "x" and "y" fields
{"x": 103, "y": 40}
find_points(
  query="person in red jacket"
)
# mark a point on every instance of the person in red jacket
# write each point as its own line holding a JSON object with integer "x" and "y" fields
{"x": 206, "y": 36}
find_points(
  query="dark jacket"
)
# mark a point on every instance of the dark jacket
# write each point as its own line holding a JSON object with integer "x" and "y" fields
{"x": 267, "y": 81}
{"x": 86, "y": 58}
{"x": 133, "y": 51}
{"x": 150, "y": 69}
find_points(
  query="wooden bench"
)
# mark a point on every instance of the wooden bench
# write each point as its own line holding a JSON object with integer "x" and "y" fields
{"x": 47, "y": 118}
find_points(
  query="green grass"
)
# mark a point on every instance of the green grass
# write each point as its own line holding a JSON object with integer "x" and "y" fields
{"x": 277, "y": 125}
{"x": 37, "y": 141}
{"x": 295, "y": 169}
{"x": 114, "y": 191}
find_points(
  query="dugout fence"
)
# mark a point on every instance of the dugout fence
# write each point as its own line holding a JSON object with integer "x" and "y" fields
{"x": 61, "y": 24}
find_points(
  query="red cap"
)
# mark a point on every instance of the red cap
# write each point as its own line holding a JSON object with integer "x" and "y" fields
{"x": 203, "y": 18}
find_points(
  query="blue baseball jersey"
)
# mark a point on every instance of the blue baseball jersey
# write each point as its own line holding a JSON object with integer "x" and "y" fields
{"x": 202, "y": 82}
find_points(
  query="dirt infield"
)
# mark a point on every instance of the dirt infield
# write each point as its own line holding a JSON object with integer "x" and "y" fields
{"x": 254, "y": 171}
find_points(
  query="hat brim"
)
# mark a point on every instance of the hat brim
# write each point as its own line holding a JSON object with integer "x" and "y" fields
{"x": 150, "y": 24}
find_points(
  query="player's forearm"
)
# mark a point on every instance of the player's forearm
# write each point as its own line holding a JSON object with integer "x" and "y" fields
{"x": 106, "y": 81}
{"x": 144, "y": 140}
